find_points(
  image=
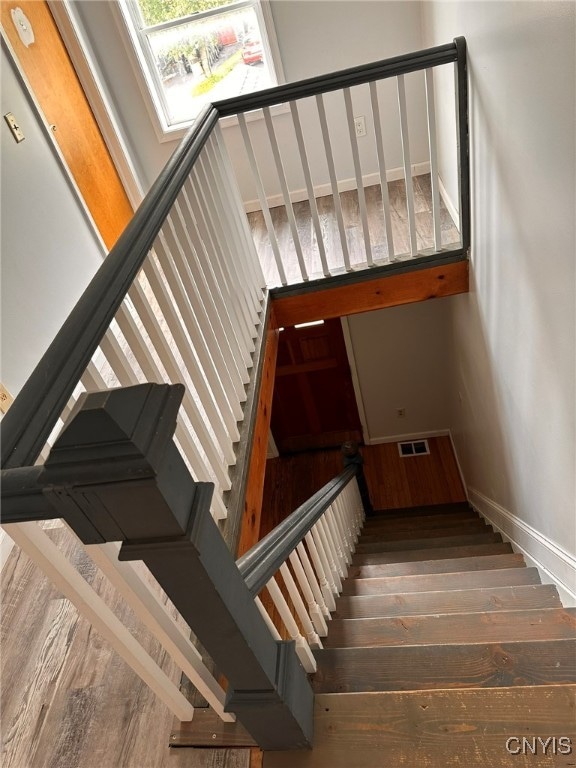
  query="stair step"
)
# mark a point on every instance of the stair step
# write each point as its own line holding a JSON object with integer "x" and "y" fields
{"x": 509, "y": 572}
{"x": 415, "y": 523}
{"x": 417, "y": 667}
{"x": 454, "y": 601}
{"x": 424, "y": 509}
{"x": 402, "y": 545}
{"x": 464, "y": 528}
{"x": 443, "y": 629}
{"x": 438, "y": 561}
{"x": 457, "y": 728}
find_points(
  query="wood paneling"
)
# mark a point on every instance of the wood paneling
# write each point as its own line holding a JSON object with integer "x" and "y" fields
{"x": 544, "y": 662}
{"x": 420, "y": 285}
{"x": 433, "y": 729}
{"x": 250, "y": 531}
{"x": 53, "y": 80}
{"x": 415, "y": 480}
{"x": 206, "y": 729}
{"x": 314, "y": 404}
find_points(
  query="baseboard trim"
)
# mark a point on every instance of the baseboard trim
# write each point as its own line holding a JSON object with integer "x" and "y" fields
{"x": 555, "y": 564}
{"x": 409, "y": 436}
{"x": 345, "y": 185}
{"x": 447, "y": 200}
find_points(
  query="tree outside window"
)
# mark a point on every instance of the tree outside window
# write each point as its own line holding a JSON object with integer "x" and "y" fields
{"x": 193, "y": 52}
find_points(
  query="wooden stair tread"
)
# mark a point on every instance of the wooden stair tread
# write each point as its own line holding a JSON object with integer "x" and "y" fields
{"x": 469, "y": 528}
{"x": 491, "y": 545}
{"x": 417, "y": 667}
{"x": 510, "y": 572}
{"x": 432, "y": 729}
{"x": 479, "y": 562}
{"x": 455, "y": 601}
{"x": 443, "y": 629}
{"x": 387, "y": 547}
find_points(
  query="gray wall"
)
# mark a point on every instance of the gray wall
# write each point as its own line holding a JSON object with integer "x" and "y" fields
{"x": 49, "y": 252}
{"x": 403, "y": 360}
{"x": 514, "y": 335}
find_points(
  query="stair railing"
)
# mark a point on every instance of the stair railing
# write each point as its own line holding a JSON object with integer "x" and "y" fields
{"x": 177, "y": 301}
{"x": 312, "y": 151}
{"x": 310, "y": 551}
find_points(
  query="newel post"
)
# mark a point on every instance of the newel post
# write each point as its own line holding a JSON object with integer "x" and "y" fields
{"x": 115, "y": 474}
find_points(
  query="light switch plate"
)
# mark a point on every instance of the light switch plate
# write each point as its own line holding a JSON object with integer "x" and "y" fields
{"x": 14, "y": 127}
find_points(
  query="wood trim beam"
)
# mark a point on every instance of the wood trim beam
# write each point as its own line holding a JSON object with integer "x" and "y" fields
{"x": 250, "y": 531}
{"x": 405, "y": 288}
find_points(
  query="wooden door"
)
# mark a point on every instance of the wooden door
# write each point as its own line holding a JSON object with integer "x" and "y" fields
{"x": 53, "y": 80}
{"x": 314, "y": 405}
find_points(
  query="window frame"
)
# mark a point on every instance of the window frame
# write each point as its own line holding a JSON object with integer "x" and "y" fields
{"x": 126, "y": 13}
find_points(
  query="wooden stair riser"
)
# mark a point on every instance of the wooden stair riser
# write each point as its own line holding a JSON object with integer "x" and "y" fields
{"x": 433, "y": 729}
{"x": 455, "y": 601}
{"x": 361, "y": 555}
{"x": 419, "y": 511}
{"x": 540, "y": 662}
{"x": 372, "y": 526}
{"x": 441, "y": 564}
{"x": 471, "y": 528}
{"x": 511, "y": 572}
{"x": 495, "y": 627}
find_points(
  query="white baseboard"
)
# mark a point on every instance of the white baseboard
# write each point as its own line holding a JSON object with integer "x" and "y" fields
{"x": 555, "y": 564}
{"x": 6, "y": 545}
{"x": 448, "y": 202}
{"x": 345, "y": 185}
{"x": 407, "y": 437}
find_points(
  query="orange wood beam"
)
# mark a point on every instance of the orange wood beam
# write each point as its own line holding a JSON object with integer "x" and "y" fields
{"x": 406, "y": 288}
{"x": 250, "y": 529}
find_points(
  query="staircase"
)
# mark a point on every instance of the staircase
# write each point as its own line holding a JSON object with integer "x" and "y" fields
{"x": 443, "y": 649}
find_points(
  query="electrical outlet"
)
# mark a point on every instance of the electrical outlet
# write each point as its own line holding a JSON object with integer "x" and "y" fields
{"x": 360, "y": 125}
{"x": 400, "y": 412}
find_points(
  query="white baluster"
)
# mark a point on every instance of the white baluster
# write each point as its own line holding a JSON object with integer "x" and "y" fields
{"x": 382, "y": 168}
{"x": 323, "y": 570}
{"x": 307, "y": 624}
{"x": 315, "y": 578}
{"x": 431, "y": 112}
{"x": 302, "y": 648}
{"x": 46, "y": 555}
{"x": 262, "y": 198}
{"x": 313, "y": 607}
{"x": 358, "y": 173}
{"x": 407, "y": 164}
{"x": 333, "y": 180}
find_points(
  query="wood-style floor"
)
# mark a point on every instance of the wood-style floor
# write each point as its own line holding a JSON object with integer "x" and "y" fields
{"x": 353, "y": 226}
{"x": 67, "y": 700}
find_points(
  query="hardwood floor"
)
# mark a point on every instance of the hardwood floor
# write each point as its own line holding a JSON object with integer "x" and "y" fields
{"x": 67, "y": 700}
{"x": 353, "y": 226}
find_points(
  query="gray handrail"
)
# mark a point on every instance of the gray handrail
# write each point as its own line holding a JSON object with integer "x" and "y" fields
{"x": 261, "y": 562}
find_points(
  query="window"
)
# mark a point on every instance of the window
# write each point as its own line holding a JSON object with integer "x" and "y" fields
{"x": 193, "y": 52}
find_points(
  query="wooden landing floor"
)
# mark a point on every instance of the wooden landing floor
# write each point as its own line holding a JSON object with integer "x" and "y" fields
{"x": 353, "y": 225}
{"x": 67, "y": 700}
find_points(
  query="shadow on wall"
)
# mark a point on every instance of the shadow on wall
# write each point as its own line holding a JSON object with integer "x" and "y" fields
{"x": 513, "y": 385}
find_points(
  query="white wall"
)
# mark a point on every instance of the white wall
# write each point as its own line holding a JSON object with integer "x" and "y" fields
{"x": 49, "y": 253}
{"x": 314, "y": 37}
{"x": 402, "y": 358}
{"x": 514, "y": 417}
